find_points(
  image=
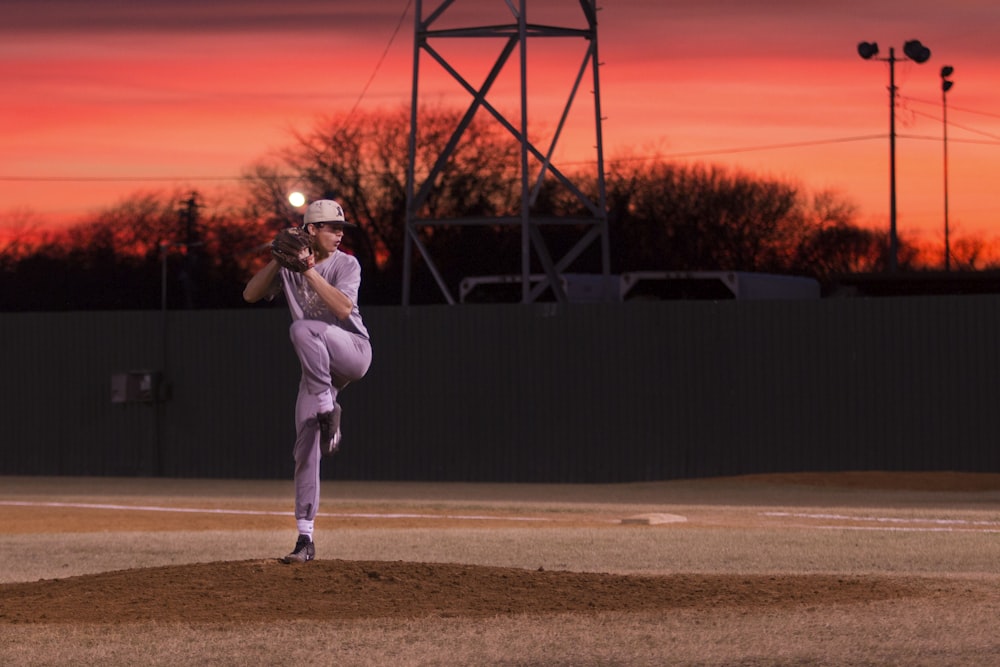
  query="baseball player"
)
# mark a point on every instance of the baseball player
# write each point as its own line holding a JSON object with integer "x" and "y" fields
{"x": 321, "y": 284}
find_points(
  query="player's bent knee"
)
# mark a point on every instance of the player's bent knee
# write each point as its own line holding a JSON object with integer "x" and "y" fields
{"x": 300, "y": 331}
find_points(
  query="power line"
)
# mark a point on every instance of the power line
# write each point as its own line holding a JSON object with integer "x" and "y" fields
{"x": 659, "y": 156}
{"x": 959, "y": 126}
{"x": 153, "y": 179}
{"x": 763, "y": 147}
{"x": 950, "y": 106}
{"x": 114, "y": 179}
{"x": 381, "y": 60}
{"x": 924, "y": 137}
{"x": 720, "y": 151}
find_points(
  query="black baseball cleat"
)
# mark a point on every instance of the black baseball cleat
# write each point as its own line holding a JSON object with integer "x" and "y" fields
{"x": 329, "y": 430}
{"x": 304, "y": 551}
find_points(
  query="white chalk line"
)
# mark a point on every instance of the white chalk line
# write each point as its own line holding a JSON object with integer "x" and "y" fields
{"x": 203, "y": 510}
{"x": 914, "y": 529}
{"x": 935, "y": 525}
{"x": 899, "y": 523}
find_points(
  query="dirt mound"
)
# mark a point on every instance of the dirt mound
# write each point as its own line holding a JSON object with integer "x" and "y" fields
{"x": 254, "y": 591}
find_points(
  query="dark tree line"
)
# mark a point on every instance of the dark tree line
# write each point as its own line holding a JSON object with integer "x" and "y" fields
{"x": 706, "y": 218}
{"x": 118, "y": 259}
{"x": 662, "y": 216}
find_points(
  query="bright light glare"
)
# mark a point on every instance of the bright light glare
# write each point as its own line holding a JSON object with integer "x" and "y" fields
{"x": 296, "y": 199}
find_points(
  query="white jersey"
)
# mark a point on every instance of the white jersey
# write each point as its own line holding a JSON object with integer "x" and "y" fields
{"x": 341, "y": 270}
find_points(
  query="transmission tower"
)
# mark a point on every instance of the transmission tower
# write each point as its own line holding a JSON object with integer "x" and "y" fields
{"x": 540, "y": 268}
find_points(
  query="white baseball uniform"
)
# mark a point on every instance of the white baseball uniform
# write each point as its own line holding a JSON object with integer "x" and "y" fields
{"x": 332, "y": 353}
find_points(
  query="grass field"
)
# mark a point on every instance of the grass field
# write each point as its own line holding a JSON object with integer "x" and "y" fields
{"x": 841, "y": 569}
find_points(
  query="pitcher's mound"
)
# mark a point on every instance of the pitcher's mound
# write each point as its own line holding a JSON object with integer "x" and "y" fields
{"x": 266, "y": 590}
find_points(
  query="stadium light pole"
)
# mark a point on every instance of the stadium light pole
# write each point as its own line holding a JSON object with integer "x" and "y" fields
{"x": 919, "y": 54}
{"x": 946, "y": 85}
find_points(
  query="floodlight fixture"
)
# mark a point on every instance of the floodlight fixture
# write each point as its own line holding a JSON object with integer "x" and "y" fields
{"x": 868, "y": 50}
{"x": 946, "y": 85}
{"x": 916, "y": 51}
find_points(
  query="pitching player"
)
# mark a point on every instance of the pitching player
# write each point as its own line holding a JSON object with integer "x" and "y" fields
{"x": 321, "y": 285}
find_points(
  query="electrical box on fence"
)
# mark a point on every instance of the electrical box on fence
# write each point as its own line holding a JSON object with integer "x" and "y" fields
{"x": 136, "y": 387}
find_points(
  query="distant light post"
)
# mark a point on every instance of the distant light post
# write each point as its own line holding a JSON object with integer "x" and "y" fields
{"x": 946, "y": 85}
{"x": 918, "y": 53}
{"x": 160, "y": 388}
{"x": 165, "y": 247}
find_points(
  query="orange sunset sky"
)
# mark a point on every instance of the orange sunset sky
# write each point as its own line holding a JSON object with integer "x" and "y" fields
{"x": 103, "y": 99}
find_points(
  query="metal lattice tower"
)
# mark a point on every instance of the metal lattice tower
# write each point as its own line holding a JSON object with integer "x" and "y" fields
{"x": 535, "y": 162}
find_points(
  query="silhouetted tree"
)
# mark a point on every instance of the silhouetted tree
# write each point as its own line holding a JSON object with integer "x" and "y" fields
{"x": 115, "y": 261}
{"x": 361, "y": 161}
{"x": 973, "y": 254}
{"x": 663, "y": 216}
{"x": 679, "y": 217}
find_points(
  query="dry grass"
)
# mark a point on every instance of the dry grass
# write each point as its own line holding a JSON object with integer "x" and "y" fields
{"x": 879, "y": 634}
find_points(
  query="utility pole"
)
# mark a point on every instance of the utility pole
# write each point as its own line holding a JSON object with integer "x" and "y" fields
{"x": 946, "y": 85}
{"x": 918, "y": 53}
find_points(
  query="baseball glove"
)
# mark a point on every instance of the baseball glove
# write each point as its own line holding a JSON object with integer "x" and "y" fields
{"x": 292, "y": 248}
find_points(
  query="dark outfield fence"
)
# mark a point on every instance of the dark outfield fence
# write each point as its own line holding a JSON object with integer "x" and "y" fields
{"x": 542, "y": 393}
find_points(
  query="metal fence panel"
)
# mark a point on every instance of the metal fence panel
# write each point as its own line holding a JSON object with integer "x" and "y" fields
{"x": 539, "y": 393}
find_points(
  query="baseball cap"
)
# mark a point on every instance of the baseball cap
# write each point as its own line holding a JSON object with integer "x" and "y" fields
{"x": 325, "y": 210}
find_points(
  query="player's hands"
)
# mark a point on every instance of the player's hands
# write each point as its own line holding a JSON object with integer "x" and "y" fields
{"x": 292, "y": 249}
